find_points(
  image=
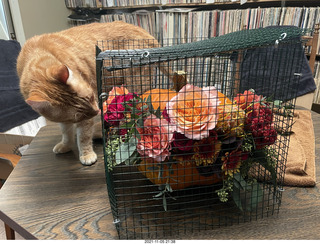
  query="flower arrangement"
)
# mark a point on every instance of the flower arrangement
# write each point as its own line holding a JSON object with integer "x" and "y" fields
{"x": 196, "y": 136}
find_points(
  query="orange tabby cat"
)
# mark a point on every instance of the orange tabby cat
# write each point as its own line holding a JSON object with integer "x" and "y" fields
{"x": 58, "y": 78}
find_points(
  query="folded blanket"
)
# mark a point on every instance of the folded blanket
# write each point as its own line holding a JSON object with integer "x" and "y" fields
{"x": 300, "y": 170}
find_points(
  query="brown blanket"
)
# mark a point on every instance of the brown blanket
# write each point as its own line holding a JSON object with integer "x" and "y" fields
{"x": 300, "y": 170}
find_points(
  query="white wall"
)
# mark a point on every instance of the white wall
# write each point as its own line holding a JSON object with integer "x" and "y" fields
{"x": 3, "y": 28}
{"x": 34, "y": 17}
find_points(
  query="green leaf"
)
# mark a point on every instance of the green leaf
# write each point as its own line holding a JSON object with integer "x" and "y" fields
{"x": 158, "y": 113}
{"x": 237, "y": 199}
{"x": 262, "y": 158}
{"x": 256, "y": 195}
{"x": 125, "y": 150}
{"x": 159, "y": 194}
{"x": 136, "y": 133}
{"x": 127, "y": 107}
{"x": 277, "y": 103}
{"x": 127, "y": 125}
{"x": 237, "y": 184}
{"x": 144, "y": 107}
{"x": 164, "y": 200}
{"x": 140, "y": 122}
{"x": 240, "y": 181}
{"x": 168, "y": 188}
{"x": 149, "y": 103}
{"x": 132, "y": 159}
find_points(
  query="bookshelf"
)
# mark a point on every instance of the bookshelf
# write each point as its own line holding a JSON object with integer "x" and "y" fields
{"x": 192, "y": 19}
{"x": 114, "y": 4}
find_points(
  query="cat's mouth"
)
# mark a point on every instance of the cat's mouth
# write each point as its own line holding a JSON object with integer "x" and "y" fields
{"x": 78, "y": 117}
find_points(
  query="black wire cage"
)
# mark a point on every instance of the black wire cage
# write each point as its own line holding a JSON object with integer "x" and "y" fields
{"x": 196, "y": 134}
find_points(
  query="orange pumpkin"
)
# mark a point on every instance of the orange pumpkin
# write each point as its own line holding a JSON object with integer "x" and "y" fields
{"x": 180, "y": 176}
{"x": 159, "y": 97}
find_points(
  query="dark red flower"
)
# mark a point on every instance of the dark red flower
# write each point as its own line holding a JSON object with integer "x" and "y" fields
{"x": 165, "y": 114}
{"x": 115, "y": 112}
{"x": 181, "y": 142}
{"x": 231, "y": 162}
{"x": 259, "y": 123}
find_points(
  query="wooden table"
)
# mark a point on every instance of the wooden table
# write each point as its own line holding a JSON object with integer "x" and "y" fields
{"x": 50, "y": 196}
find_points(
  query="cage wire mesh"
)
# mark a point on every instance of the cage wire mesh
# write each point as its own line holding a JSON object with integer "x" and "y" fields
{"x": 196, "y": 134}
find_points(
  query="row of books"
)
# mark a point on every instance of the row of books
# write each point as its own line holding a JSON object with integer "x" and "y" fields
{"x": 130, "y": 3}
{"x": 187, "y": 23}
{"x": 142, "y": 18}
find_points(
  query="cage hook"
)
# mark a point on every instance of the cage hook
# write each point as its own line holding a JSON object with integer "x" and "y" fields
{"x": 282, "y": 36}
{"x": 103, "y": 95}
{"x": 116, "y": 221}
{"x": 145, "y": 54}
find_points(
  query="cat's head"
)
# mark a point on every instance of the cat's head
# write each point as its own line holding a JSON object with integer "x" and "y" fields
{"x": 61, "y": 96}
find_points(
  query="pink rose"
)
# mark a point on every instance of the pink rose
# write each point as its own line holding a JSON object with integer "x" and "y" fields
{"x": 155, "y": 138}
{"x": 194, "y": 111}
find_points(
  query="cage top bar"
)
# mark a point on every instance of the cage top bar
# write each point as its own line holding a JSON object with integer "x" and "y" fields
{"x": 239, "y": 40}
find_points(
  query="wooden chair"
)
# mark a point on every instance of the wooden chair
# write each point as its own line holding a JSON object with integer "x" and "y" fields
{"x": 311, "y": 42}
{"x": 7, "y": 164}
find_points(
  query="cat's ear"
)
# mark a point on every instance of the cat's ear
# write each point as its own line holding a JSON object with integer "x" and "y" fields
{"x": 60, "y": 73}
{"x": 38, "y": 103}
{"x": 65, "y": 75}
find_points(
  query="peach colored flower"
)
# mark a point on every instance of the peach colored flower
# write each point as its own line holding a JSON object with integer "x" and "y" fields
{"x": 194, "y": 111}
{"x": 245, "y": 99}
{"x": 155, "y": 140}
{"x": 116, "y": 91}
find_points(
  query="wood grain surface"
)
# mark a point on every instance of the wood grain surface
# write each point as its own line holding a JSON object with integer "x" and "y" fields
{"x": 50, "y": 196}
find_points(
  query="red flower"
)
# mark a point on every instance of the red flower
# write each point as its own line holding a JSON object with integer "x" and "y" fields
{"x": 207, "y": 150}
{"x": 259, "y": 123}
{"x": 181, "y": 142}
{"x": 264, "y": 136}
{"x": 165, "y": 114}
{"x": 231, "y": 162}
{"x": 115, "y": 112}
{"x": 259, "y": 113}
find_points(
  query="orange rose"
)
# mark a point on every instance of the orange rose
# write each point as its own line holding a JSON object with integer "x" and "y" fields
{"x": 193, "y": 111}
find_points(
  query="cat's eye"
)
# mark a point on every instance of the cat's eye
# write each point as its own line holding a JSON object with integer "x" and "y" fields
{"x": 91, "y": 99}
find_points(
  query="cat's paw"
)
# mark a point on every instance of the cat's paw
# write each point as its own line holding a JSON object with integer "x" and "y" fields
{"x": 89, "y": 158}
{"x": 61, "y": 148}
